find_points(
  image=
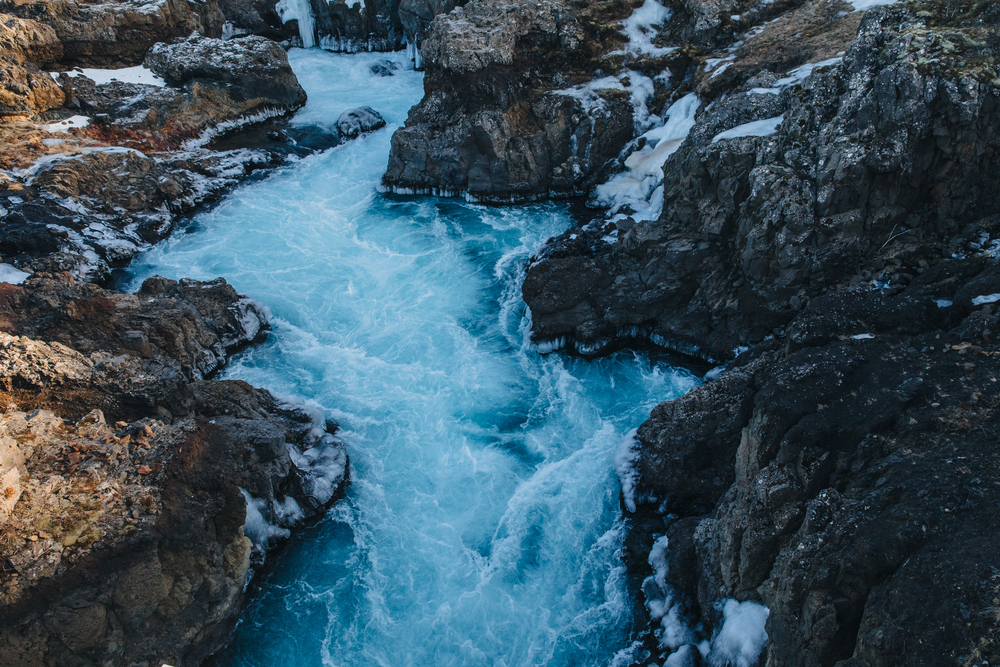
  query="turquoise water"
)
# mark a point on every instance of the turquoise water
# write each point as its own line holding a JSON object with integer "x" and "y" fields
{"x": 482, "y": 525}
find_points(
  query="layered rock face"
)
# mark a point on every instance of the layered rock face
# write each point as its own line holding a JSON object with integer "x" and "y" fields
{"x": 501, "y": 119}
{"x": 143, "y": 553}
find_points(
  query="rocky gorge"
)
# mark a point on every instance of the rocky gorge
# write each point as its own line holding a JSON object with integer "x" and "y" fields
{"x": 800, "y": 194}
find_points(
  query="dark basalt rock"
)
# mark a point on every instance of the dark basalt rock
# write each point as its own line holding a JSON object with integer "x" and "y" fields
{"x": 493, "y": 123}
{"x": 250, "y": 69}
{"x": 752, "y": 228}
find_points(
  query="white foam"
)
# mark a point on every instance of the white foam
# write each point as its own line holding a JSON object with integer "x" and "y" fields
{"x": 742, "y": 636}
{"x": 12, "y": 275}
{"x": 301, "y": 11}
{"x": 137, "y": 74}
{"x": 67, "y": 124}
{"x": 985, "y": 298}
{"x": 261, "y": 531}
{"x": 626, "y": 456}
{"x": 758, "y": 128}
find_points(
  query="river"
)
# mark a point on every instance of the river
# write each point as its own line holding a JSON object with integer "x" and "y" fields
{"x": 482, "y": 524}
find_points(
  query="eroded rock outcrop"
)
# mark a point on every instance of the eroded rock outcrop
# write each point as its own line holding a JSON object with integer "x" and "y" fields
{"x": 144, "y": 552}
{"x": 501, "y": 119}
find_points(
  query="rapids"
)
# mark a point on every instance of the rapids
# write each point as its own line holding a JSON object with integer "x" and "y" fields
{"x": 482, "y": 524}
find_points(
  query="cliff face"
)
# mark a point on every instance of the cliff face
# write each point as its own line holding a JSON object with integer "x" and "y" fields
{"x": 135, "y": 492}
{"x": 509, "y": 111}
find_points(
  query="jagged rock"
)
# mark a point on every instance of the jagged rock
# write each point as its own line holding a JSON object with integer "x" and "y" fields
{"x": 155, "y": 561}
{"x": 753, "y": 227}
{"x": 25, "y": 90}
{"x": 250, "y": 70}
{"x": 357, "y": 121}
{"x": 417, "y": 16}
{"x": 499, "y": 120}
{"x": 860, "y": 505}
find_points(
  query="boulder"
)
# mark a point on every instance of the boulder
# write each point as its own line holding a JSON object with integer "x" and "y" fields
{"x": 252, "y": 71}
{"x": 357, "y": 121}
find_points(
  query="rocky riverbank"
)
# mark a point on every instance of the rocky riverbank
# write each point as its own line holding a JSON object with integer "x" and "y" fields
{"x": 137, "y": 492}
{"x": 807, "y": 195}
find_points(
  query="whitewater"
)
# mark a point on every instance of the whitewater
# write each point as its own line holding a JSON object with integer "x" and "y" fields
{"x": 482, "y": 524}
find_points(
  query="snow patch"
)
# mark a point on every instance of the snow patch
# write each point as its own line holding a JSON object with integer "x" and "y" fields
{"x": 985, "y": 298}
{"x": 799, "y": 74}
{"x": 943, "y": 303}
{"x": 640, "y": 28}
{"x": 864, "y": 336}
{"x": 12, "y": 275}
{"x": 862, "y": 5}
{"x": 67, "y": 125}
{"x": 640, "y": 186}
{"x": 137, "y": 74}
{"x": 758, "y": 128}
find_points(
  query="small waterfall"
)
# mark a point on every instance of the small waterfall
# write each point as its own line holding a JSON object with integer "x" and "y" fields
{"x": 301, "y": 11}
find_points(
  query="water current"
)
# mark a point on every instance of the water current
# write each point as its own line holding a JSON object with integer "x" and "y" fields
{"x": 482, "y": 524}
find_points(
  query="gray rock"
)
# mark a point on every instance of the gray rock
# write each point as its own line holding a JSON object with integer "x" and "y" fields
{"x": 251, "y": 70}
{"x": 357, "y": 121}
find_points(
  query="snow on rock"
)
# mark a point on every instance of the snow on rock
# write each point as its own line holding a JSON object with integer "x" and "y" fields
{"x": 799, "y": 74}
{"x": 639, "y": 186}
{"x": 67, "y": 124}
{"x": 137, "y": 74}
{"x": 301, "y": 11}
{"x": 985, "y": 298}
{"x": 861, "y": 5}
{"x": 640, "y": 28}
{"x": 742, "y": 636}
{"x": 12, "y": 275}
{"x": 758, "y": 128}
{"x": 357, "y": 121}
